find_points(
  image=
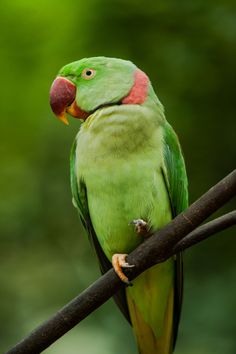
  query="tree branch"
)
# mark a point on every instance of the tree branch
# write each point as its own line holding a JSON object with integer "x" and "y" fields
{"x": 205, "y": 231}
{"x": 159, "y": 247}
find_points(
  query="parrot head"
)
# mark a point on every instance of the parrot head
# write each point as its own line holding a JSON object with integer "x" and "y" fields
{"x": 84, "y": 86}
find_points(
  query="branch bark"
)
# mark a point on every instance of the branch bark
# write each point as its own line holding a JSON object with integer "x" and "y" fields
{"x": 205, "y": 231}
{"x": 159, "y": 247}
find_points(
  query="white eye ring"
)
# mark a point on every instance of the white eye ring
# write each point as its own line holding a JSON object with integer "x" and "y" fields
{"x": 88, "y": 73}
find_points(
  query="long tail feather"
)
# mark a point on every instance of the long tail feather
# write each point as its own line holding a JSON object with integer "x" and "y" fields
{"x": 151, "y": 306}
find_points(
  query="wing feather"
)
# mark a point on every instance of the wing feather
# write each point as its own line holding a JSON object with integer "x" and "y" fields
{"x": 80, "y": 201}
{"x": 177, "y": 185}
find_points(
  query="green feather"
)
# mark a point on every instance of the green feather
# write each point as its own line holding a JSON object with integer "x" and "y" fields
{"x": 174, "y": 171}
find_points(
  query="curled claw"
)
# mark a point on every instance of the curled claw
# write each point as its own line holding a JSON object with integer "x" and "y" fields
{"x": 141, "y": 227}
{"x": 119, "y": 262}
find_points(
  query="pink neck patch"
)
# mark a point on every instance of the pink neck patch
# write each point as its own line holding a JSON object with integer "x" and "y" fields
{"x": 139, "y": 90}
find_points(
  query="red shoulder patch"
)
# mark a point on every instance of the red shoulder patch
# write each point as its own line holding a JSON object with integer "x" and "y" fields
{"x": 139, "y": 90}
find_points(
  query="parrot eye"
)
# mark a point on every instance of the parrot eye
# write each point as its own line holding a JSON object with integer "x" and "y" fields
{"x": 88, "y": 73}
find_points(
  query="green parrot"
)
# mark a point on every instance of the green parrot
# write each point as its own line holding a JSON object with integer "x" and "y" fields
{"x": 128, "y": 178}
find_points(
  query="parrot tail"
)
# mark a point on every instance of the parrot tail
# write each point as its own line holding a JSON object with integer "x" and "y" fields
{"x": 151, "y": 305}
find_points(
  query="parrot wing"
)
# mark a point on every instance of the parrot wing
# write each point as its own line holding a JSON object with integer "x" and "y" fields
{"x": 174, "y": 171}
{"x": 79, "y": 199}
{"x": 175, "y": 177}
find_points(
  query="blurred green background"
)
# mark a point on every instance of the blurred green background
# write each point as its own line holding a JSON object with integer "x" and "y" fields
{"x": 188, "y": 49}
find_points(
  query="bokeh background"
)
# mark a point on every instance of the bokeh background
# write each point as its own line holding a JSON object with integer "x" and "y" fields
{"x": 188, "y": 49}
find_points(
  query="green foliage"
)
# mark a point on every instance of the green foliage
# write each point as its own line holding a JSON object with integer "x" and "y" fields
{"x": 188, "y": 49}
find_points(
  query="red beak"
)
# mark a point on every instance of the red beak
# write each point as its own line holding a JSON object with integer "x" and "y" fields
{"x": 62, "y": 95}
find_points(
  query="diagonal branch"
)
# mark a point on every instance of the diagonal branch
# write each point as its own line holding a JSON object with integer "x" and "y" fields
{"x": 206, "y": 230}
{"x": 159, "y": 247}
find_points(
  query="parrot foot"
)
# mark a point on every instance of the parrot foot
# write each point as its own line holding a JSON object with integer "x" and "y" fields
{"x": 141, "y": 227}
{"x": 119, "y": 262}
